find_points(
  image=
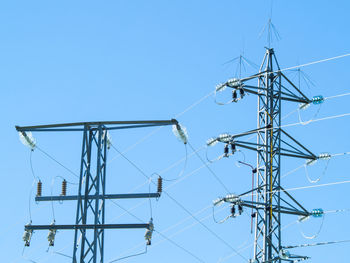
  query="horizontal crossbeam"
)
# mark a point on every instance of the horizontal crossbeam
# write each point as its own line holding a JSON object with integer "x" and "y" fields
{"x": 280, "y": 209}
{"x": 90, "y": 226}
{"x": 109, "y": 125}
{"x": 106, "y": 196}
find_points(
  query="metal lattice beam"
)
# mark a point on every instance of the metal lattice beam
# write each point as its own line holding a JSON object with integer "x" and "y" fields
{"x": 90, "y": 224}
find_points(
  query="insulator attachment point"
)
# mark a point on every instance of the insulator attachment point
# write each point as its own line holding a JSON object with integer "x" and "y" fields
{"x": 64, "y": 188}
{"x": 160, "y": 185}
{"x": 317, "y": 212}
{"x": 317, "y": 99}
{"x": 39, "y": 188}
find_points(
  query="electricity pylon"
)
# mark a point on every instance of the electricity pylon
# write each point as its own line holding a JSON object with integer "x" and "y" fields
{"x": 273, "y": 142}
{"x": 90, "y": 216}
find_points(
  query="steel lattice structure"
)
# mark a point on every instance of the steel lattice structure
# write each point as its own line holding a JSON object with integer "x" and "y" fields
{"x": 90, "y": 216}
{"x": 271, "y": 201}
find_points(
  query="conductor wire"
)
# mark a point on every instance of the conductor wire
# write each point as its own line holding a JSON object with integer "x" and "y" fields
{"x": 210, "y": 170}
{"x": 161, "y": 234}
{"x": 31, "y": 166}
{"x": 130, "y": 256}
{"x": 182, "y": 170}
{"x": 184, "y": 208}
{"x": 319, "y": 178}
{"x": 59, "y": 163}
{"x": 315, "y": 235}
{"x": 313, "y": 117}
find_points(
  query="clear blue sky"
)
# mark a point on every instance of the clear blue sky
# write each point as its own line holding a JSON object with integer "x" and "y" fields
{"x": 66, "y": 61}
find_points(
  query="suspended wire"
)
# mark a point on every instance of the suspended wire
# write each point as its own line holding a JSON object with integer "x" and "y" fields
{"x": 182, "y": 170}
{"x": 31, "y": 166}
{"x": 190, "y": 226}
{"x": 305, "y": 187}
{"x": 298, "y": 109}
{"x": 212, "y": 93}
{"x": 315, "y": 62}
{"x": 201, "y": 167}
{"x": 161, "y": 127}
{"x": 161, "y": 234}
{"x": 26, "y": 257}
{"x": 179, "y": 204}
{"x": 315, "y": 235}
{"x": 251, "y": 245}
{"x": 130, "y": 256}
{"x": 52, "y": 207}
{"x": 336, "y": 211}
{"x": 298, "y": 123}
{"x": 173, "y": 184}
{"x": 61, "y": 254}
{"x": 221, "y": 103}
{"x": 240, "y": 161}
{"x": 181, "y": 247}
{"x": 149, "y": 198}
{"x": 181, "y": 179}
{"x": 318, "y": 244}
{"x": 289, "y": 114}
{"x": 219, "y": 221}
{"x": 313, "y": 117}
{"x": 137, "y": 218}
{"x": 337, "y": 116}
{"x": 212, "y": 160}
{"x": 53, "y": 159}
{"x": 183, "y": 229}
{"x": 142, "y": 172}
{"x": 131, "y": 162}
{"x": 68, "y": 182}
{"x": 210, "y": 170}
{"x": 181, "y": 160}
{"x": 336, "y": 96}
{"x": 30, "y": 201}
{"x": 206, "y": 208}
{"x": 319, "y": 178}
{"x": 171, "y": 227}
{"x": 205, "y": 226}
{"x": 196, "y": 170}
{"x": 303, "y": 165}
{"x": 36, "y": 179}
{"x": 340, "y": 154}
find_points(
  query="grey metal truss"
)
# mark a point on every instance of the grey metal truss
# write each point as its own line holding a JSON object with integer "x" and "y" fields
{"x": 90, "y": 214}
{"x": 272, "y": 142}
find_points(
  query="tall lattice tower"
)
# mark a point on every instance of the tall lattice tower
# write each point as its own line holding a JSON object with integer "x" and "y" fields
{"x": 90, "y": 222}
{"x": 271, "y": 200}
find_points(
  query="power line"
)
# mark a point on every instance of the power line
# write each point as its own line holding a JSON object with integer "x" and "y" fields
{"x": 205, "y": 166}
{"x": 170, "y": 227}
{"x": 306, "y": 187}
{"x": 159, "y": 128}
{"x": 317, "y": 120}
{"x": 161, "y": 234}
{"x": 209, "y": 169}
{"x": 314, "y": 62}
{"x": 299, "y": 123}
{"x": 176, "y": 244}
{"x": 56, "y": 161}
{"x": 185, "y": 177}
{"x": 183, "y": 208}
{"x": 251, "y": 245}
{"x": 337, "y": 96}
{"x": 319, "y": 244}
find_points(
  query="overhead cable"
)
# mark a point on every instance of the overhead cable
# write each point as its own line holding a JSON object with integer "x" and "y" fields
{"x": 181, "y": 206}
